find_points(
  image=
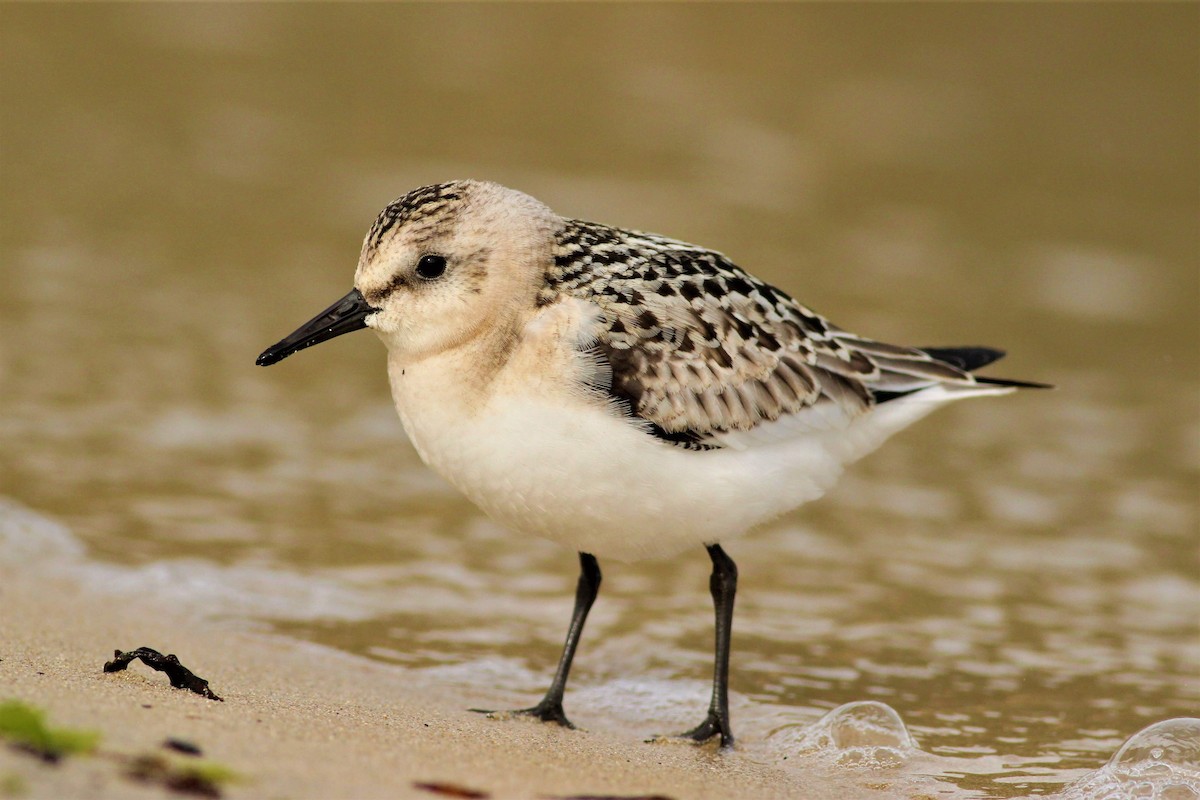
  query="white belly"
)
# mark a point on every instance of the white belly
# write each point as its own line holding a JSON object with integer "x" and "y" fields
{"x": 595, "y": 483}
{"x": 569, "y": 471}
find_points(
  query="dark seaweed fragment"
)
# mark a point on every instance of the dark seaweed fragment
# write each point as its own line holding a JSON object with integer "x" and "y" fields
{"x": 180, "y": 676}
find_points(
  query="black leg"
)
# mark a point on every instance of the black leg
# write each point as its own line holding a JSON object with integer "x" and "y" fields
{"x": 550, "y": 708}
{"x": 723, "y": 585}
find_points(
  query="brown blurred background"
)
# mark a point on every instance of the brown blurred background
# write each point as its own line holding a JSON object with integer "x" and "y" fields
{"x": 184, "y": 184}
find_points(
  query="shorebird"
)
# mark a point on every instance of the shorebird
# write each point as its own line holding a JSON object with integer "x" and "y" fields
{"x": 622, "y": 393}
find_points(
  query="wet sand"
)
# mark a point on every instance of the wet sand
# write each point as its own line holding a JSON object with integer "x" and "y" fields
{"x": 301, "y": 721}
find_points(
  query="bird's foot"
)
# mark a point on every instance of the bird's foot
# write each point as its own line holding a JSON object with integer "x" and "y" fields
{"x": 546, "y": 711}
{"x": 712, "y": 726}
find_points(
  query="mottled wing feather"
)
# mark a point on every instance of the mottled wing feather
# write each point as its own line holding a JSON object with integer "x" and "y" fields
{"x": 698, "y": 347}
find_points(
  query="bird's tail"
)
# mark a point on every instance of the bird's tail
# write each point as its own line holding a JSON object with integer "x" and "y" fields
{"x": 924, "y": 368}
{"x": 969, "y": 359}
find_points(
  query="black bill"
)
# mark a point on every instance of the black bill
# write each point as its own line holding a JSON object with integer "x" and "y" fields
{"x": 346, "y": 315}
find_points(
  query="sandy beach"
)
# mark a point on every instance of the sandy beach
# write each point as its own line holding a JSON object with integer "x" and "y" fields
{"x": 300, "y": 721}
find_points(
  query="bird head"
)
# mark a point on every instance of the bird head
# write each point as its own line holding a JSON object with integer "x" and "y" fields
{"x": 439, "y": 266}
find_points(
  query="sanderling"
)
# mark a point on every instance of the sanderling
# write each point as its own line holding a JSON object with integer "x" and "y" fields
{"x": 625, "y": 394}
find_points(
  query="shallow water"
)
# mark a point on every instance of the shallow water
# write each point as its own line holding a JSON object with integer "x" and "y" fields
{"x": 1018, "y": 578}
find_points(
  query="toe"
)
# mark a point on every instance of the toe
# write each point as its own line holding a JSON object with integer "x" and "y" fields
{"x": 545, "y": 712}
{"x": 710, "y": 728}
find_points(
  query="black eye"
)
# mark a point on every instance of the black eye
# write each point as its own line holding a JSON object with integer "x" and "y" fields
{"x": 431, "y": 267}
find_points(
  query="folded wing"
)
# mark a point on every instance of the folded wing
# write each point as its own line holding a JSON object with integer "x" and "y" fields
{"x": 700, "y": 348}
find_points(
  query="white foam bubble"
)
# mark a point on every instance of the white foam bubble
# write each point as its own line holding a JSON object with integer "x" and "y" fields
{"x": 864, "y": 734}
{"x": 1161, "y": 762}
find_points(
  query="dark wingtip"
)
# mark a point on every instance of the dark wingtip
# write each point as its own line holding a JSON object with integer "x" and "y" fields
{"x": 1017, "y": 384}
{"x": 965, "y": 358}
